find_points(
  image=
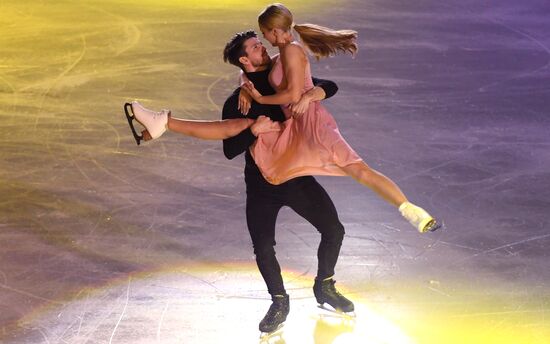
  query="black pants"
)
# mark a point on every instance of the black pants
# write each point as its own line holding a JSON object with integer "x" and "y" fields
{"x": 308, "y": 199}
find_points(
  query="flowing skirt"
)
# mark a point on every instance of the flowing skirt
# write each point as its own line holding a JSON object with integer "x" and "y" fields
{"x": 308, "y": 145}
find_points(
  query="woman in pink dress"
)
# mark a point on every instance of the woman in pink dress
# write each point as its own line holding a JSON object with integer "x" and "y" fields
{"x": 309, "y": 144}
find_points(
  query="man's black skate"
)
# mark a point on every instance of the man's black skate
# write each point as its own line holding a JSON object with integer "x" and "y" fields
{"x": 276, "y": 315}
{"x": 325, "y": 292}
{"x": 130, "y": 117}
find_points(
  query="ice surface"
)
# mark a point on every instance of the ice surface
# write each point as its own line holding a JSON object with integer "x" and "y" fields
{"x": 106, "y": 242}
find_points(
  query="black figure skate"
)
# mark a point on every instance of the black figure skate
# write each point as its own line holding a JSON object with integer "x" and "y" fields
{"x": 325, "y": 292}
{"x": 275, "y": 317}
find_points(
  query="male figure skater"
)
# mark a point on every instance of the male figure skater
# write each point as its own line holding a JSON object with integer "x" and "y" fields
{"x": 303, "y": 194}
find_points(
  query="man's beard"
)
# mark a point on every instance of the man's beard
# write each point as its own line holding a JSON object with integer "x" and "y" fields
{"x": 266, "y": 61}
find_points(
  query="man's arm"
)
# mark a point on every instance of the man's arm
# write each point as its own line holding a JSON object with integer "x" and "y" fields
{"x": 235, "y": 145}
{"x": 329, "y": 87}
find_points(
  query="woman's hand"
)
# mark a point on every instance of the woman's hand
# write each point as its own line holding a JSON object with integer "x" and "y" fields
{"x": 252, "y": 91}
{"x": 245, "y": 101}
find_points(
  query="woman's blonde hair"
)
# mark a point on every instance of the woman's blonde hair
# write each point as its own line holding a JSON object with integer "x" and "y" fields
{"x": 320, "y": 41}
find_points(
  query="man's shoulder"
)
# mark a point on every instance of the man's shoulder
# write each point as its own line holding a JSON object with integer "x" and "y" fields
{"x": 231, "y": 106}
{"x": 232, "y": 101}
{"x": 234, "y": 94}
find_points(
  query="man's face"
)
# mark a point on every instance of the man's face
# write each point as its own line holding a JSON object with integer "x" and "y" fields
{"x": 256, "y": 53}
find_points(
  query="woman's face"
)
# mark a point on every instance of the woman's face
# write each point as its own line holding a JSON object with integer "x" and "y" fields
{"x": 269, "y": 35}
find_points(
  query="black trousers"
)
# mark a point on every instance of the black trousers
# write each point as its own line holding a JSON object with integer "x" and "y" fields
{"x": 308, "y": 199}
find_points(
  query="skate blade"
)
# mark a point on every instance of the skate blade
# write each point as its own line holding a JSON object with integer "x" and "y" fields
{"x": 272, "y": 337}
{"x": 432, "y": 226}
{"x": 131, "y": 118}
{"x": 339, "y": 314}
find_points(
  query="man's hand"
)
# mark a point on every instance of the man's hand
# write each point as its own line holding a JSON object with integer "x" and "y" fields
{"x": 263, "y": 125}
{"x": 245, "y": 101}
{"x": 299, "y": 108}
{"x": 313, "y": 95}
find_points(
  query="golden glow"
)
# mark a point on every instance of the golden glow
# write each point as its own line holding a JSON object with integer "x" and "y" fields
{"x": 234, "y": 294}
{"x": 460, "y": 313}
{"x": 390, "y": 315}
{"x": 210, "y": 4}
{"x": 57, "y": 55}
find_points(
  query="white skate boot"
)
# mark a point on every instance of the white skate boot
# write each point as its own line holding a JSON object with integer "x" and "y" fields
{"x": 419, "y": 218}
{"x": 155, "y": 122}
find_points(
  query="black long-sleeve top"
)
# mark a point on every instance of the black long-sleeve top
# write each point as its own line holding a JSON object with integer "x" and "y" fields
{"x": 236, "y": 145}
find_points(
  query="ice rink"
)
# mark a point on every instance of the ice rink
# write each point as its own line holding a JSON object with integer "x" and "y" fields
{"x": 102, "y": 241}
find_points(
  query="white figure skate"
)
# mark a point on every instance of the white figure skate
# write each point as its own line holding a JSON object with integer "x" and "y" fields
{"x": 154, "y": 122}
{"x": 419, "y": 218}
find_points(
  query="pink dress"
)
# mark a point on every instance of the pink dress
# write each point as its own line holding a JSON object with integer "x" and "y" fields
{"x": 308, "y": 145}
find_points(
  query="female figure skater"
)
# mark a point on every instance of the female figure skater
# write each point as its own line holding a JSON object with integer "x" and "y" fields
{"x": 310, "y": 144}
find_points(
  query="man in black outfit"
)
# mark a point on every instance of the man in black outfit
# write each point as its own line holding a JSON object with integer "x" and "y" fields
{"x": 303, "y": 194}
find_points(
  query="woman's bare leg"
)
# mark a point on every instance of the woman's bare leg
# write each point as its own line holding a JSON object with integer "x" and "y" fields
{"x": 156, "y": 124}
{"x": 209, "y": 130}
{"x": 376, "y": 181}
{"x": 390, "y": 192}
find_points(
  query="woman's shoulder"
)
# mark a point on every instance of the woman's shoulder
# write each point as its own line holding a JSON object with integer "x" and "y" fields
{"x": 296, "y": 46}
{"x": 294, "y": 49}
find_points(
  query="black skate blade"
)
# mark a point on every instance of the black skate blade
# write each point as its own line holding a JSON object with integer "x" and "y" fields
{"x": 274, "y": 336}
{"x": 131, "y": 118}
{"x": 337, "y": 313}
{"x": 433, "y": 226}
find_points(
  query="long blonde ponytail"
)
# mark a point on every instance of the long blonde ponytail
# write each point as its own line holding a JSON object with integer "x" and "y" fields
{"x": 324, "y": 42}
{"x": 320, "y": 41}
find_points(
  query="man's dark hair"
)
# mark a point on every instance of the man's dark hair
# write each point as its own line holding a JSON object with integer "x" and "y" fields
{"x": 234, "y": 49}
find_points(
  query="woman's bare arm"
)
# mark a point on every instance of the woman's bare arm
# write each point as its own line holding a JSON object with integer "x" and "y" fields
{"x": 294, "y": 67}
